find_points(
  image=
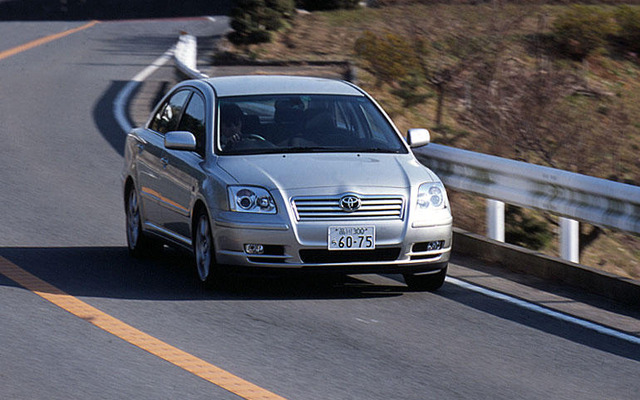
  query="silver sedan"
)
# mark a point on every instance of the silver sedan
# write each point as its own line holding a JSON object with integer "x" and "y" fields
{"x": 284, "y": 172}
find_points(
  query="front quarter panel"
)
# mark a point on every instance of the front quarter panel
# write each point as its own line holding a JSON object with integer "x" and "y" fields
{"x": 131, "y": 150}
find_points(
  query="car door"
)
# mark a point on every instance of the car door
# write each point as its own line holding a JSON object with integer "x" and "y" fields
{"x": 183, "y": 170}
{"x": 150, "y": 164}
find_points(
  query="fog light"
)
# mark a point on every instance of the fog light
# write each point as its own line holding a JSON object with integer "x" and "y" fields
{"x": 254, "y": 248}
{"x": 428, "y": 246}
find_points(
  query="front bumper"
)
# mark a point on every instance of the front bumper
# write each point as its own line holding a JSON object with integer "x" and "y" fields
{"x": 400, "y": 248}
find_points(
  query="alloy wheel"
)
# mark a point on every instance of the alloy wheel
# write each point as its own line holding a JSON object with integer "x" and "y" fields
{"x": 133, "y": 220}
{"x": 203, "y": 248}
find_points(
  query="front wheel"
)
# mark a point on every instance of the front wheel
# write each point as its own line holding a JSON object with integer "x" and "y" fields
{"x": 204, "y": 251}
{"x": 139, "y": 244}
{"x": 426, "y": 282}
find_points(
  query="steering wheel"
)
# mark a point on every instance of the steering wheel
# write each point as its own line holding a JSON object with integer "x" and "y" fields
{"x": 253, "y": 136}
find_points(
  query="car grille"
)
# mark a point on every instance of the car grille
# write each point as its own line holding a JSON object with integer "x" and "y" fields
{"x": 321, "y": 256}
{"x": 372, "y": 207}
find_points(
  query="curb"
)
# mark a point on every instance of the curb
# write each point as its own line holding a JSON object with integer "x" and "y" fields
{"x": 523, "y": 261}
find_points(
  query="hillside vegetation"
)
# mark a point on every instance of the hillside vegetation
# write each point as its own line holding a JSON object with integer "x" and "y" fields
{"x": 555, "y": 85}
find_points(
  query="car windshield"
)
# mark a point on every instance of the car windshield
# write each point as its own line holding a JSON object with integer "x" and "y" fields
{"x": 303, "y": 123}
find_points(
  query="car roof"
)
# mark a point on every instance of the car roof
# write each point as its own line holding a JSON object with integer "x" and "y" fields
{"x": 279, "y": 84}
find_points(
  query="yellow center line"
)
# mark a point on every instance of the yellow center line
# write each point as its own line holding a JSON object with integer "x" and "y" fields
{"x": 44, "y": 40}
{"x": 106, "y": 322}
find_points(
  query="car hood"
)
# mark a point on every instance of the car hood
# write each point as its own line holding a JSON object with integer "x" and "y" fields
{"x": 342, "y": 171}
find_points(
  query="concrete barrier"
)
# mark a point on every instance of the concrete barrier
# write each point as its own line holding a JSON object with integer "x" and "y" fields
{"x": 524, "y": 261}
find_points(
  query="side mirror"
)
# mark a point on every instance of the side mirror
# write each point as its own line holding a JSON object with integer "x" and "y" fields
{"x": 418, "y": 137}
{"x": 180, "y": 140}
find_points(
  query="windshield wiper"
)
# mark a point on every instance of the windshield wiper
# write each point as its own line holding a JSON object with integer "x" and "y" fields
{"x": 377, "y": 150}
{"x": 248, "y": 152}
{"x": 324, "y": 149}
{"x": 305, "y": 149}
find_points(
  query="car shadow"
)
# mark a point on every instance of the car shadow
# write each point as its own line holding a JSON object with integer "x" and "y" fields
{"x": 541, "y": 322}
{"x": 111, "y": 273}
{"x": 105, "y": 120}
{"x": 103, "y": 110}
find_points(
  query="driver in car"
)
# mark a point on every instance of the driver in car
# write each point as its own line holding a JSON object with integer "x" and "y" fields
{"x": 230, "y": 125}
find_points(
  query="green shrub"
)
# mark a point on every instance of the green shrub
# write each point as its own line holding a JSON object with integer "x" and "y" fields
{"x": 253, "y": 21}
{"x": 524, "y": 230}
{"x": 628, "y": 19}
{"x": 390, "y": 58}
{"x": 582, "y": 29}
{"x": 411, "y": 91}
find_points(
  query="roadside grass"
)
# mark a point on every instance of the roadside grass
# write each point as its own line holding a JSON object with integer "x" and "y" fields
{"x": 606, "y": 107}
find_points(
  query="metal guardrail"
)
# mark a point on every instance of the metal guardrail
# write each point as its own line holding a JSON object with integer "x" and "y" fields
{"x": 577, "y": 197}
{"x": 585, "y": 198}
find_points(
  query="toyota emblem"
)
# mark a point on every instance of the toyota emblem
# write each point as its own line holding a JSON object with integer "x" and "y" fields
{"x": 350, "y": 203}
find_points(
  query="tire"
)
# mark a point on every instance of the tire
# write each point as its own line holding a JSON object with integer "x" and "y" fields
{"x": 204, "y": 252}
{"x": 140, "y": 245}
{"x": 426, "y": 282}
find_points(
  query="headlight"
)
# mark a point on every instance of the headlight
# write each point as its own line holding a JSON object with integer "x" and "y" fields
{"x": 251, "y": 199}
{"x": 432, "y": 196}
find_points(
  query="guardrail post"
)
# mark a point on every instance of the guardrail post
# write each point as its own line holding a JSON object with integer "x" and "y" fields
{"x": 186, "y": 50}
{"x": 495, "y": 220}
{"x": 570, "y": 240}
{"x": 186, "y": 56}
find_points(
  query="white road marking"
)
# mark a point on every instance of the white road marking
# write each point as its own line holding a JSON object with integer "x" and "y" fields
{"x": 542, "y": 310}
{"x": 122, "y": 99}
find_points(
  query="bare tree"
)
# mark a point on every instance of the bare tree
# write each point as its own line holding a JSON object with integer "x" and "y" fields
{"x": 442, "y": 60}
{"x": 518, "y": 106}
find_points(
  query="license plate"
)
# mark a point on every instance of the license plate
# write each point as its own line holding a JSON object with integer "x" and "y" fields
{"x": 352, "y": 237}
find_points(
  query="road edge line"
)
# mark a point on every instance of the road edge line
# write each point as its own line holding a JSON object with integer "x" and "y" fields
{"x": 122, "y": 99}
{"x": 545, "y": 311}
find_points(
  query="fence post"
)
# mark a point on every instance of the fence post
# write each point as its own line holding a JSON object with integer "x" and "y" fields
{"x": 570, "y": 240}
{"x": 495, "y": 220}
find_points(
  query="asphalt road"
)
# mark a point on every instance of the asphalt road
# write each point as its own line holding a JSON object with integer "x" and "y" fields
{"x": 62, "y": 220}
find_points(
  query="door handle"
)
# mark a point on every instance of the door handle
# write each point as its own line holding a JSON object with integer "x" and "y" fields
{"x": 165, "y": 162}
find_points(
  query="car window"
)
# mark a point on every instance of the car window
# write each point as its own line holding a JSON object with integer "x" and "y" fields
{"x": 375, "y": 122}
{"x": 193, "y": 121}
{"x": 304, "y": 123}
{"x": 167, "y": 117}
{"x": 349, "y": 116}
